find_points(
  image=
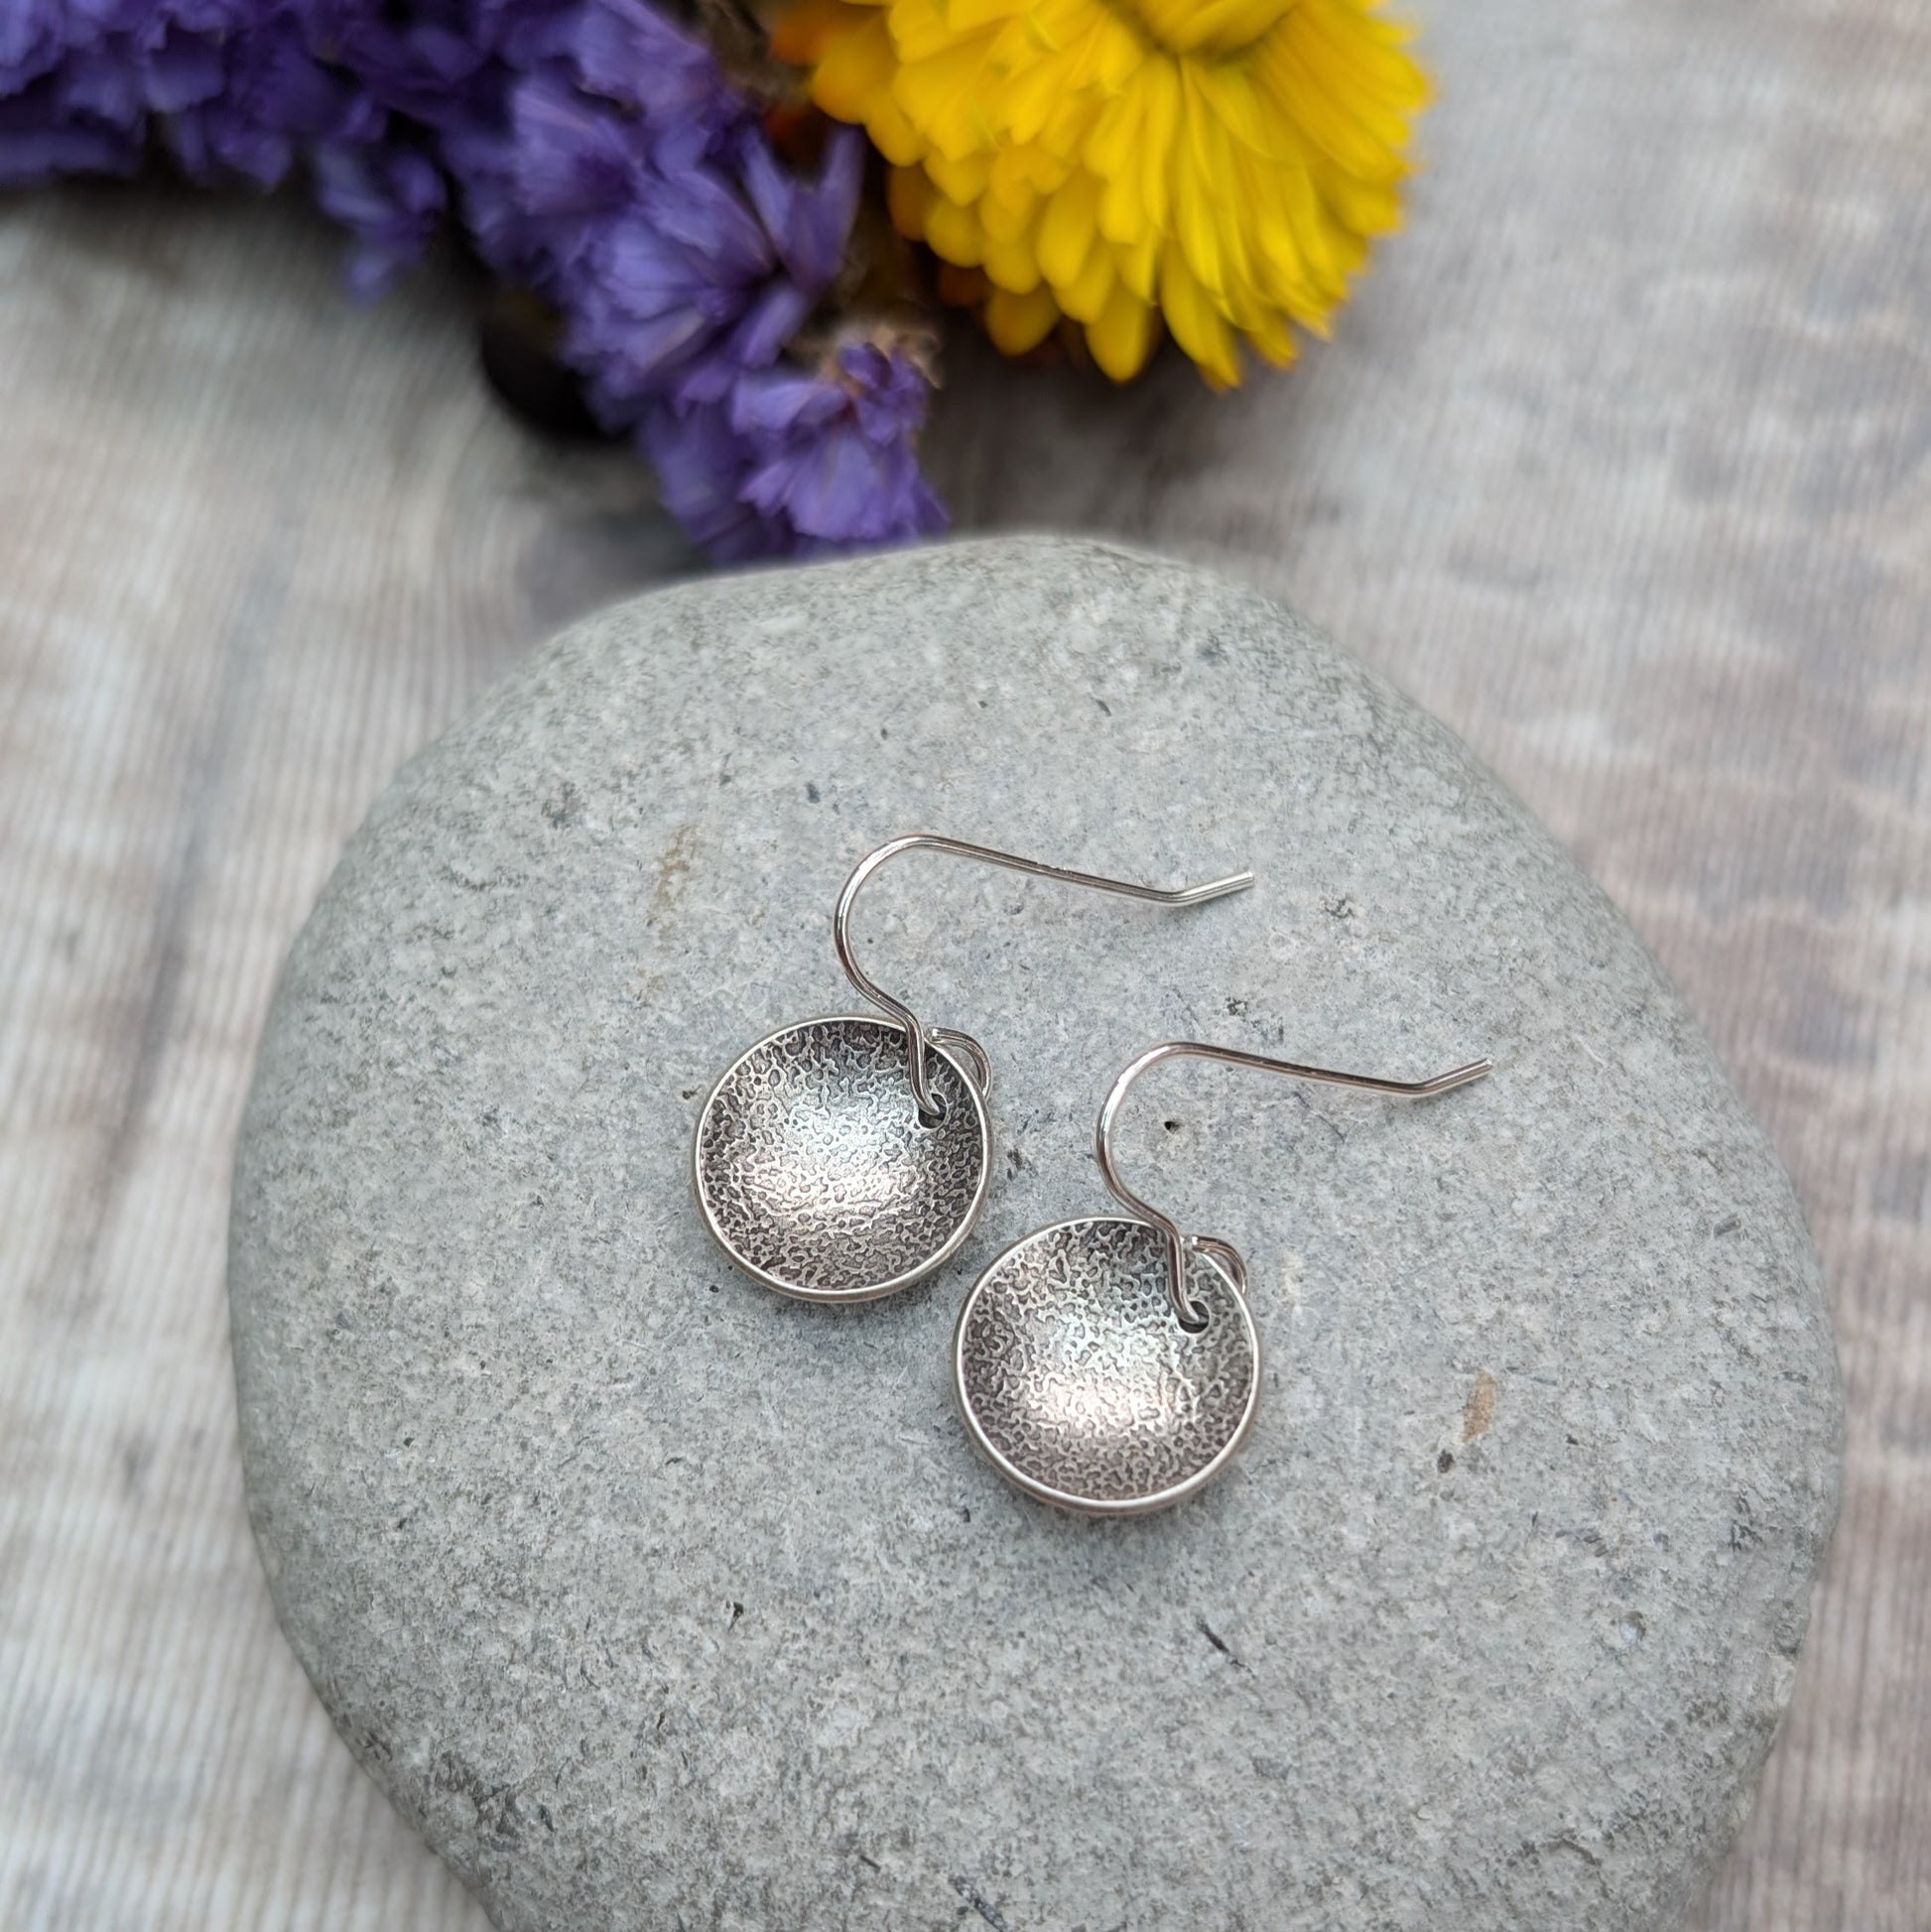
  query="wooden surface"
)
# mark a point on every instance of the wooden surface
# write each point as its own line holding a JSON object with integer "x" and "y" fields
{"x": 1622, "y": 465}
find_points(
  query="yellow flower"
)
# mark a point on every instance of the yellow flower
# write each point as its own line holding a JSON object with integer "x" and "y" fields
{"x": 1221, "y": 164}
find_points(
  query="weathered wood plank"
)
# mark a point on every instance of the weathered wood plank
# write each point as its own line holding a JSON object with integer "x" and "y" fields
{"x": 254, "y": 548}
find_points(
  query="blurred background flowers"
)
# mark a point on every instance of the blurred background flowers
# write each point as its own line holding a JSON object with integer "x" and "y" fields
{"x": 1217, "y": 167}
{"x": 730, "y": 227}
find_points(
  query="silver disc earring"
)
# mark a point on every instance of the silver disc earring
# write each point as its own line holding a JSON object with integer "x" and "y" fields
{"x": 843, "y": 1158}
{"x": 1110, "y": 1365}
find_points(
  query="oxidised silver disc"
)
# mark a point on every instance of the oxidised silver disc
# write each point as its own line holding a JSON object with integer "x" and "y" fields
{"x": 1076, "y": 1379}
{"x": 816, "y": 1173}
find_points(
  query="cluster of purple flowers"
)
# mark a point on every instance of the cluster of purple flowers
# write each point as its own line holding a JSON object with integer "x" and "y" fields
{"x": 596, "y": 154}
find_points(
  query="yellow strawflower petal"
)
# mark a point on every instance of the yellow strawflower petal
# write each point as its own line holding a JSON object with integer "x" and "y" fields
{"x": 1197, "y": 323}
{"x": 962, "y": 181}
{"x": 1086, "y": 298}
{"x": 1067, "y": 232}
{"x": 1218, "y": 164}
{"x": 1005, "y": 217}
{"x": 952, "y": 232}
{"x": 1013, "y": 264}
{"x": 1161, "y": 113}
{"x": 1138, "y": 262}
{"x": 940, "y": 97}
{"x": 1122, "y": 336}
{"x": 851, "y": 81}
{"x": 1018, "y": 322}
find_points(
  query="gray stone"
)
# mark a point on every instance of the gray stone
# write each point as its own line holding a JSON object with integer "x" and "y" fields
{"x": 656, "y": 1600}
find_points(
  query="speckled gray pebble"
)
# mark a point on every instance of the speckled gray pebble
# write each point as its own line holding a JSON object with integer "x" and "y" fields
{"x": 658, "y": 1600}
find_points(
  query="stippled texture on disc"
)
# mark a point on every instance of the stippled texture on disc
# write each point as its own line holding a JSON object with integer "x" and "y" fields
{"x": 657, "y": 1599}
{"x": 1074, "y": 1368}
{"x": 816, "y": 1170}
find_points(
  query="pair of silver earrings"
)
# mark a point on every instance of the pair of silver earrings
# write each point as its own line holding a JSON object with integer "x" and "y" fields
{"x": 1107, "y": 1364}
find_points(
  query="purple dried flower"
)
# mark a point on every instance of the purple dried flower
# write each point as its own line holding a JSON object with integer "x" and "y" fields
{"x": 834, "y": 454}
{"x": 42, "y": 139}
{"x": 599, "y": 157}
{"x": 630, "y": 54}
{"x": 391, "y": 200}
{"x": 797, "y": 464}
{"x": 634, "y": 190}
{"x": 32, "y": 38}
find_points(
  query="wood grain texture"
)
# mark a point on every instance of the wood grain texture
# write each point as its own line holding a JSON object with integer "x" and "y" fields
{"x": 1622, "y": 464}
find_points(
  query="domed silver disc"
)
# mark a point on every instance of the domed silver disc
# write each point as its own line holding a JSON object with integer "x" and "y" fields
{"x": 816, "y": 1173}
{"x": 1077, "y": 1378}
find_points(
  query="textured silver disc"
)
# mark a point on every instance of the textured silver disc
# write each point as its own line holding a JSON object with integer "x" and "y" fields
{"x": 1075, "y": 1377}
{"x": 816, "y": 1173}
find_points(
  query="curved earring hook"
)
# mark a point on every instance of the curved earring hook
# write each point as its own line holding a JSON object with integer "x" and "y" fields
{"x": 1187, "y": 1312}
{"x": 920, "y": 1035}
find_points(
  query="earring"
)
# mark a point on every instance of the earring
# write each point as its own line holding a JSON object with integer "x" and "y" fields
{"x": 1109, "y": 1364}
{"x": 843, "y": 1158}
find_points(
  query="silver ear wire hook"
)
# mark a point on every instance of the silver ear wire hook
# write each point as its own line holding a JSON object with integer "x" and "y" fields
{"x": 920, "y": 1037}
{"x": 1190, "y": 1316}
